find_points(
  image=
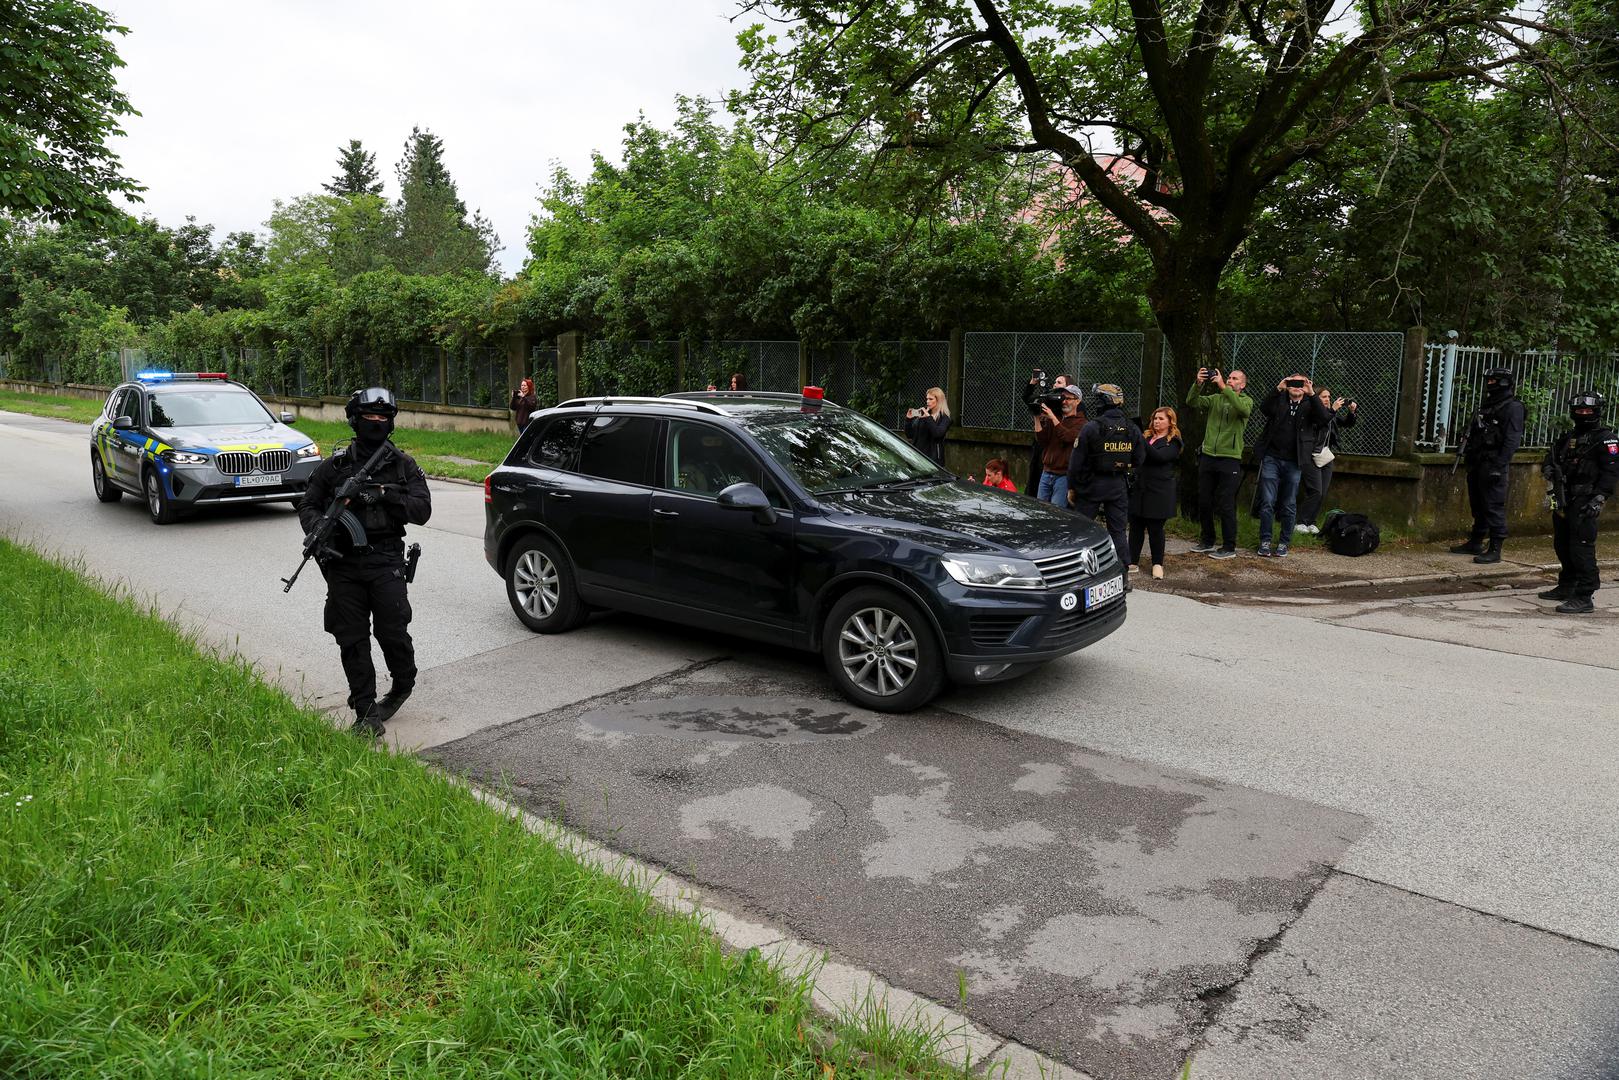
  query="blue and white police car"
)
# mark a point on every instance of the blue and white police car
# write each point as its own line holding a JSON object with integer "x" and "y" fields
{"x": 188, "y": 440}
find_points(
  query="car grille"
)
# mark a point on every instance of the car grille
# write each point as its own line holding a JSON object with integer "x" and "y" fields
{"x": 242, "y": 462}
{"x": 1070, "y": 625}
{"x": 994, "y": 630}
{"x": 1067, "y": 570}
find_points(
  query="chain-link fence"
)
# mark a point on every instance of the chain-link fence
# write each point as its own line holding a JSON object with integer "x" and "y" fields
{"x": 1453, "y": 388}
{"x": 1359, "y": 367}
{"x": 996, "y": 370}
{"x": 628, "y": 368}
{"x": 767, "y": 365}
{"x": 880, "y": 378}
{"x": 477, "y": 377}
{"x": 542, "y": 368}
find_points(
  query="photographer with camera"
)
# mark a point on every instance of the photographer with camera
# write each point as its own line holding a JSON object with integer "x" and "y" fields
{"x": 1318, "y": 473}
{"x": 1293, "y": 417}
{"x": 1219, "y": 461}
{"x": 1054, "y": 437}
{"x": 1036, "y": 394}
{"x": 926, "y": 426}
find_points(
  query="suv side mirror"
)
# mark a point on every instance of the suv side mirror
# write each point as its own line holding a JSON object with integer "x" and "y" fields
{"x": 749, "y": 497}
{"x": 123, "y": 423}
{"x": 288, "y": 418}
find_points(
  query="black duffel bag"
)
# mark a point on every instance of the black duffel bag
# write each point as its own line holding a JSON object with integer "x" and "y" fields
{"x": 1350, "y": 534}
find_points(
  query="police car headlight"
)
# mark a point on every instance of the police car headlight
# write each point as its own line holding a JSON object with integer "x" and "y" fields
{"x": 310, "y": 451}
{"x": 989, "y": 572}
{"x": 183, "y": 457}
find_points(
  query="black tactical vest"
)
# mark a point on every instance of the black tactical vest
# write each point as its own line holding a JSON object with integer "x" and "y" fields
{"x": 1118, "y": 449}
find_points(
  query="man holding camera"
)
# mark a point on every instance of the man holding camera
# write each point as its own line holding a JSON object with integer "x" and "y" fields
{"x": 1054, "y": 437}
{"x": 1040, "y": 401}
{"x": 1219, "y": 462}
{"x": 1293, "y": 416}
{"x": 1106, "y": 455}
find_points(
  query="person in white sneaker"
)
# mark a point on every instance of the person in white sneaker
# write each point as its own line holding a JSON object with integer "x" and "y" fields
{"x": 1318, "y": 473}
{"x": 1152, "y": 495}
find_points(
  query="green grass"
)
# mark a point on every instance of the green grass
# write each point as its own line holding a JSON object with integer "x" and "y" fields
{"x": 199, "y": 878}
{"x": 433, "y": 450}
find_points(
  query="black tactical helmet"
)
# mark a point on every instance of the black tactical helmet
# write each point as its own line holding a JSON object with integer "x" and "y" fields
{"x": 1499, "y": 378}
{"x": 377, "y": 400}
{"x": 1585, "y": 405}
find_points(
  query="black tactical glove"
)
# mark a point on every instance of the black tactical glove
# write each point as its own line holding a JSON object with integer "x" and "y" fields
{"x": 1594, "y": 507}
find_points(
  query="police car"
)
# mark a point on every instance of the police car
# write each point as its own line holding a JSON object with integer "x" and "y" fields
{"x": 187, "y": 440}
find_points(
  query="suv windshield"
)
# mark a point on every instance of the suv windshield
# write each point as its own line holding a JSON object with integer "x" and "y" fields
{"x": 838, "y": 450}
{"x": 207, "y": 408}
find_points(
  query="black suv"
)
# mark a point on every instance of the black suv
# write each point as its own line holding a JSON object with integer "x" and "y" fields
{"x": 795, "y": 522}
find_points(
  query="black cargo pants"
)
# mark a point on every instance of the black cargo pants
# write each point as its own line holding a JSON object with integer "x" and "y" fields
{"x": 1574, "y": 537}
{"x": 365, "y": 595}
{"x": 1487, "y": 498}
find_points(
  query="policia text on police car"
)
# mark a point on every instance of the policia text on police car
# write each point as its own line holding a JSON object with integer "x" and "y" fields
{"x": 365, "y": 567}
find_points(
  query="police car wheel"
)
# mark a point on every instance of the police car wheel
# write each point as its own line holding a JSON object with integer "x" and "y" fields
{"x": 158, "y": 503}
{"x": 106, "y": 490}
{"x": 881, "y": 651}
{"x": 540, "y": 586}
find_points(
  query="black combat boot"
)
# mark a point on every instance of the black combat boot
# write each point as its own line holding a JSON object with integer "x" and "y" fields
{"x": 1473, "y": 546}
{"x": 366, "y": 722}
{"x": 391, "y": 701}
{"x": 1576, "y": 605}
{"x": 1492, "y": 554}
{"x": 1559, "y": 592}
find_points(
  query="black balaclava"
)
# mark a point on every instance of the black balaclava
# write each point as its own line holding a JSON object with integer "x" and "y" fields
{"x": 371, "y": 434}
{"x": 1498, "y": 384}
{"x": 1590, "y": 405}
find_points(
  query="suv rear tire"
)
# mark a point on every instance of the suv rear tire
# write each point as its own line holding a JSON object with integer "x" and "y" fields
{"x": 540, "y": 586}
{"x": 881, "y": 651}
{"x": 106, "y": 490}
{"x": 158, "y": 504}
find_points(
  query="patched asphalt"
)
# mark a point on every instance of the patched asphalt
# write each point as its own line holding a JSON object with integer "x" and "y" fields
{"x": 1093, "y": 907}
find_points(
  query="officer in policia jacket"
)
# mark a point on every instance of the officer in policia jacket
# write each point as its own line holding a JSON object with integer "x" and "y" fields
{"x": 1585, "y": 465}
{"x": 1106, "y": 454}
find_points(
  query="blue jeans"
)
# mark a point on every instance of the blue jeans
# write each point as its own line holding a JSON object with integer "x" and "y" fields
{"x": 1054, "y": 489}
{"x": 1278, "y": 488}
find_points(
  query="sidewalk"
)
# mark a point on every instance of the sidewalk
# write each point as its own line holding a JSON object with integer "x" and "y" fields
{"x": 1395, "y": 567}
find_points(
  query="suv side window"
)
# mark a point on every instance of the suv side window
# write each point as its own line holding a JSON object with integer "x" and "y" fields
{"x": 117, "y": 405}
{"x": 704, "y": 460}
{"x": 619, "y": 448}
{"x": 556, "y": 446}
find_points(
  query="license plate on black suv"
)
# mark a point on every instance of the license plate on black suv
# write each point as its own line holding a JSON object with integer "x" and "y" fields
{"x": 1097, "y": 595}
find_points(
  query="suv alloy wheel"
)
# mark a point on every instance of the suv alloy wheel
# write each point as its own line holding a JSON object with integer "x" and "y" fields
{"x": 540, "y": 586}
{"x": 106, "y": 490}
{"x": 157, "y": 503}
{"x": 881, "y": 651}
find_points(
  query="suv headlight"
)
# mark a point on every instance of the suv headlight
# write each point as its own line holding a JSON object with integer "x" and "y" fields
{"x": 183, "y": 457}
{"x": 990, "y": 572}
{"x": 312, "y": 450}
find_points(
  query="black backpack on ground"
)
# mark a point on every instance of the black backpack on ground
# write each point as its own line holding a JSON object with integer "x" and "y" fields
{"x": 1350, "y": 534}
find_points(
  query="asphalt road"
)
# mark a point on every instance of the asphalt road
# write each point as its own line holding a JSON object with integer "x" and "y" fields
{"x": 1291, "y": 841}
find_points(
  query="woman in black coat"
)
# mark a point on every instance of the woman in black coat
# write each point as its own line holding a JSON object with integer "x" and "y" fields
{"x": 926, "y": 426}
{"x": 1152, "y": 499}
{"x": 1318, "y": 476}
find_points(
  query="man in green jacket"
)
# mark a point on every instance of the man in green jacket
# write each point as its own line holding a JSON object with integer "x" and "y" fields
{"x": 1219, "y": 463}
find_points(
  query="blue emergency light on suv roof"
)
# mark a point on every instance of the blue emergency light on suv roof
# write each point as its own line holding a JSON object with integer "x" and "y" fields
{"x": 791, "y": 520}
{"x": 180, "y": 376}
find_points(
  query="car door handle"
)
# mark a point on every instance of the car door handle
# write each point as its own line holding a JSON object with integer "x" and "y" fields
{"x": 666, "y": 513}
{"x": 559, "y": 495}
{"x": 508, "y": 489}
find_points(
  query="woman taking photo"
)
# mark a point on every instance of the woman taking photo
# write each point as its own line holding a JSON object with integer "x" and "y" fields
{"x": 925, "y": 427}
{"x": 1152, "y": 499}
{"x": 523, "y": 403}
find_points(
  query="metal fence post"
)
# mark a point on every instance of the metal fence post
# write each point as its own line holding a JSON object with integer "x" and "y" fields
{"x": 1152, "y": 371}
{"x": 954, "y": 371}
{"x": 568, "y": 346}
{"x": 1447, "y": 376}
{"x": 804, "y": 378}
{"x": 1408, "y": 414}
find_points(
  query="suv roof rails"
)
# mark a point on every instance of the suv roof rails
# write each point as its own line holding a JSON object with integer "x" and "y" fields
{"x": 632, "y": 400}
{"x": 767, "y": 395}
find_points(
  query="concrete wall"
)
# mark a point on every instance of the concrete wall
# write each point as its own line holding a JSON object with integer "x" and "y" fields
{"x": 414, "y": 414}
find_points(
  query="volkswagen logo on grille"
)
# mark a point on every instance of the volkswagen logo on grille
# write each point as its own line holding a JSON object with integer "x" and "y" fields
{"x": 1087, "y": 559}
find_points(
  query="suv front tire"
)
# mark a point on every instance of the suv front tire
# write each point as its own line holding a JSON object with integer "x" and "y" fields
{"x": 881, "y": 651}
{"x": 540, "y": 586}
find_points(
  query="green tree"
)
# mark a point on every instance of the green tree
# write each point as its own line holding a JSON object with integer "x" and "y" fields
{"x": 348, "y": 235}
{"x": 356, "y": 172}
{"x": 59, "y": 108}
{"x": 433, "y": 234}
{"x": 1215, "y": 102}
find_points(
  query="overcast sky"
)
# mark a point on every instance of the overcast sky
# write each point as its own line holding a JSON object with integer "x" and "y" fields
{"x": 247, "y": 101}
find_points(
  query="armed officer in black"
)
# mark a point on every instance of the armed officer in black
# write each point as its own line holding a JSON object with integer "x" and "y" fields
{"x": 1583, "y": 466}
{"x": 1492, "y": 438}
{"x": 1106, "y": 454}
{"x": 366, "y": 585}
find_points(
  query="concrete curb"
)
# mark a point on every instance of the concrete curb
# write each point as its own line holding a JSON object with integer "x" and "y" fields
{"x": 1445, "y": 575}
{"x": 840, "y": 989}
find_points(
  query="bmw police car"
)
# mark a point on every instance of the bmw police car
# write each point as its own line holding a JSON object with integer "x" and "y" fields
{"x": 182, "y": 441}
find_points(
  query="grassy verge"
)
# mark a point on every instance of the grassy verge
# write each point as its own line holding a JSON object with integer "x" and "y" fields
{"x": 465, "y": 455}
{"x": 198, "y": 878}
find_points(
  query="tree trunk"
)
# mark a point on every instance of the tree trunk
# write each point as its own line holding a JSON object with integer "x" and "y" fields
{"x": 1184, "y": 293}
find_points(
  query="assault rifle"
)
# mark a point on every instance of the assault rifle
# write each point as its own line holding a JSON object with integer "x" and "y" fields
{"x": 338, "y": 513}
{"x": 1461, "y": 449}
{"x": 1556, "y": 482}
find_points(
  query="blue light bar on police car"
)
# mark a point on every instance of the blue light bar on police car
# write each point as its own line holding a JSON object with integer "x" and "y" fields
{"x": 171, "y": 376}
